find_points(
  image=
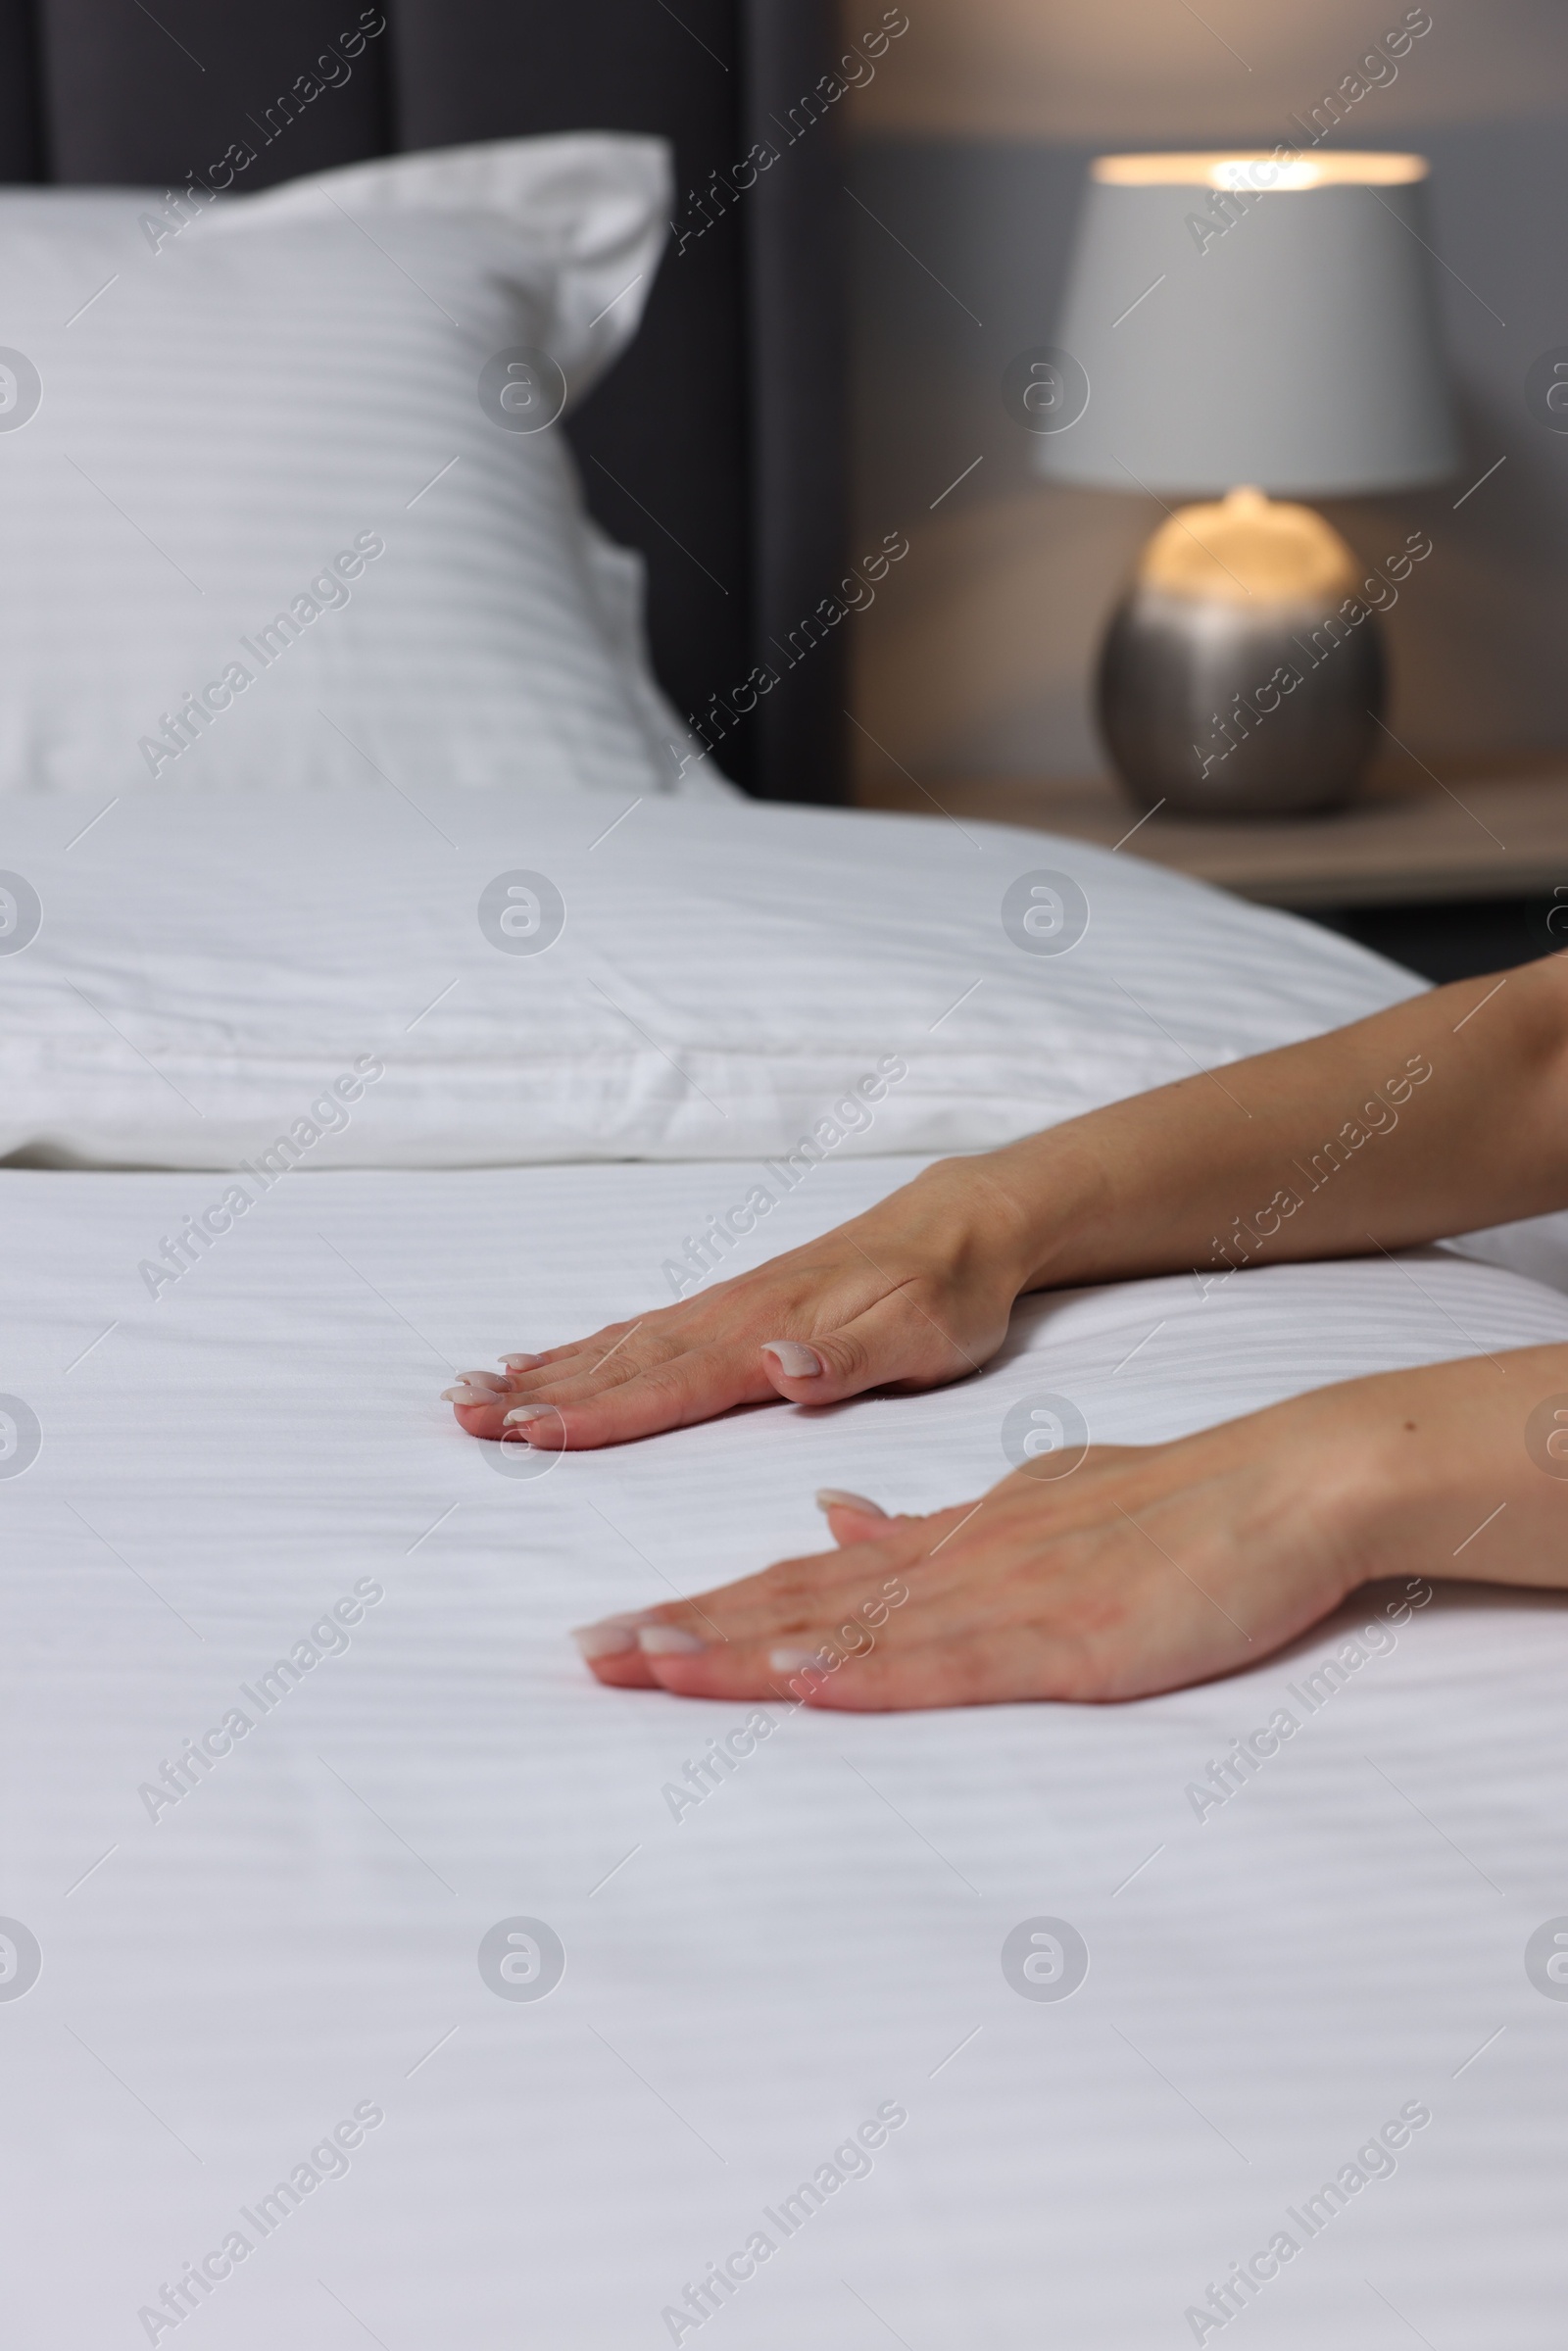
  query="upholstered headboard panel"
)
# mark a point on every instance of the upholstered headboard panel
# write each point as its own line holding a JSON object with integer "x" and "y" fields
{"x": 716, "y": 445}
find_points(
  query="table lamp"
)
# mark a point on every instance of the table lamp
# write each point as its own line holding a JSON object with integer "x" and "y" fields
{"x": 1245, "y": 329}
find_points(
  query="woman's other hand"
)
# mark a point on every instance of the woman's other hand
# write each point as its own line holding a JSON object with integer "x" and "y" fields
{"x": 916, "y": 1293}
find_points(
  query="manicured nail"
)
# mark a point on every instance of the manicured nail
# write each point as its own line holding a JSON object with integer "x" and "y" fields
{"x": 612, "y": 1636}
{"x": 483, "y": 1379}
{"x": 668, "y": 1641}
{"x": 519, "y": 1362}
{"x": 523, "y": 1413}
{"x": 795, "y": 1361}
{"x": 793, "y": 1661}
{"x": 468, "y": 1395}
{"x": 834, "y": 1498}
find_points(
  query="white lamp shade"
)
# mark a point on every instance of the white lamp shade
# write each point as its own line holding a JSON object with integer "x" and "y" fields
{"x": 1286, "y": 338}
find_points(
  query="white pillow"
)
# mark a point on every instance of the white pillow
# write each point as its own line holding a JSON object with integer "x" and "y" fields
{"x": 258, "y": 473}
{"x": 557, "y": 979}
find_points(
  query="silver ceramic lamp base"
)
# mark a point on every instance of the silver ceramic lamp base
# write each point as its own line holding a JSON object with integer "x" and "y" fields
{"x": 1242, "y": 679}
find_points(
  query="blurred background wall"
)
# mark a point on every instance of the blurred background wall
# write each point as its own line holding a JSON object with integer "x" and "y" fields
{"x": 965, "y": 157}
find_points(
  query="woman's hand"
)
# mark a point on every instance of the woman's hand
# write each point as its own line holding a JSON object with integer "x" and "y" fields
{"x": 1146, "y": 1568}
{"x": 916, "y": 1293}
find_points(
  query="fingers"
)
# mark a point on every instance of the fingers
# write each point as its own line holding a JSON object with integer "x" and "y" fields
{"x": 720, "y": 1643}
{"x": 891, "y": 1341}
{"x": 475, "y": 1388}
{"x": 851, "y": 1518}
{"x": 569, "y": 1407}
{"x": 590, "y": 1365}
{"x": 584, "y": 1399}
{"x": 842, "y": 1664}
{"x": 677, "y": 1365}
{"x": 908, "y": 1612}
{"x": 609, "y": 1651}
{"x": 670, "y": 1395}
{"x": 977, "y": 1669}
{"x": 788, "y": 1596}
{"x": 799, "y": 1373}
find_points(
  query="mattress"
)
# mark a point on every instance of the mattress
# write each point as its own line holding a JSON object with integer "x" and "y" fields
{"x": 423, "y": 2011}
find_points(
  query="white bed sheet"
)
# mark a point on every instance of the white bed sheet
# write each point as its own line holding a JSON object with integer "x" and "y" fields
{"x": 745, "y": 1986}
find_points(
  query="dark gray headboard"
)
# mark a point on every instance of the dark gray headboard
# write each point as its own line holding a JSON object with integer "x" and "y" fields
{"x": 717, "y": 445}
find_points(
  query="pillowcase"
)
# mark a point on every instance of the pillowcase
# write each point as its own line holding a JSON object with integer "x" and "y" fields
{"x": 500, "y": 980}
{"x": 267, "y": 522}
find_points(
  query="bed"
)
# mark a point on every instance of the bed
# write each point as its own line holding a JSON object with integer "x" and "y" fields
{"x": 337, "y": 1905}
{"x": 295, "y": 1742}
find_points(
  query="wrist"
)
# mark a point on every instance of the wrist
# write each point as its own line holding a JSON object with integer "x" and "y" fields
{"x": 1361, "y": 1484}
{"x": 1050, "y": 1199}
{"x": 969, "y": 1218}
{"x": 1425, "y": 1473}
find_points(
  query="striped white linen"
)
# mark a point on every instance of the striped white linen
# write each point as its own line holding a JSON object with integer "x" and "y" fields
{"x": 713, "y": 981}
{"x": 260, "y": 531}
{"x": 296, "y": 1937}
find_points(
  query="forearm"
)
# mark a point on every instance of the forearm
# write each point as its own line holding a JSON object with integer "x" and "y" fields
{"x": 1440, "y": 1115}
{"x": 1443, "y": 1114}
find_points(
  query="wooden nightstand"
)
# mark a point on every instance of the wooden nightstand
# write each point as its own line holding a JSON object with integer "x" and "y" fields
{"x": 1451, "y": 876}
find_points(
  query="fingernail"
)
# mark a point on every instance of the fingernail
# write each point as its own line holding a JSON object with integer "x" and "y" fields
{"x": 519, "y": 1362}
{"x": 484, "y": 1379}
{"x": 467, "y": 1395}
{"x": 834, "y": 1498}
{"x": 524, "y": 1414}
{"x": 793, "y": 1661}
{"x": 612, "y": 1636}
{"x": 668, "y": 1641}
{"x": 795, "y": 1361}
